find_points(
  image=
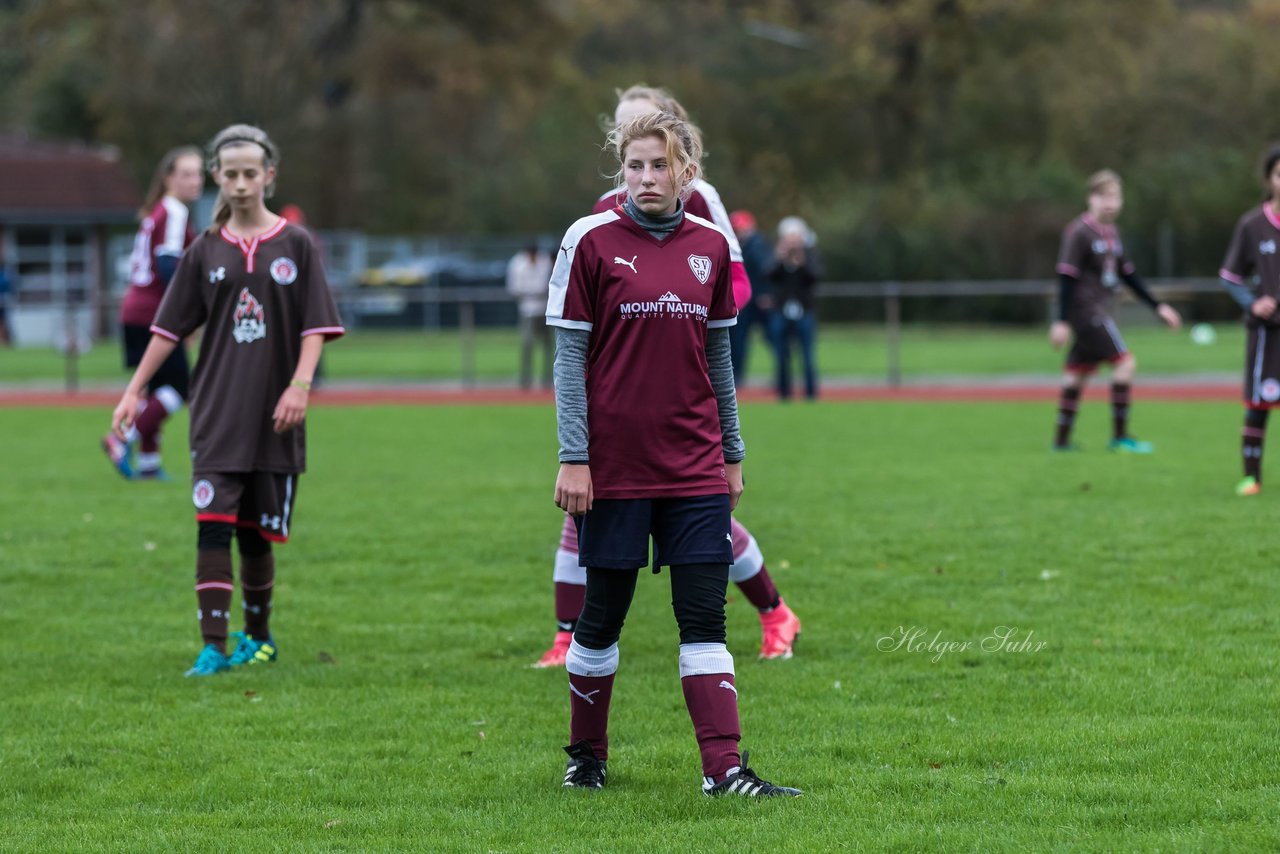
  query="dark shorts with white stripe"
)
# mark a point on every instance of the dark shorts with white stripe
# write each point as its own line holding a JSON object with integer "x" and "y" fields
{"x": 1095, "y": 342}
{"x": 1262, "y": 368}
{"x": 261, "y": 499}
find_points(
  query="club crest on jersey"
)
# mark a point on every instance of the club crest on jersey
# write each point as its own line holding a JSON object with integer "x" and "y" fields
{"x": 217, "y": 275}
{"x": 1100, "y": 247}
{"x": 202, "y": 495}
{"x": 1270, "y": 391}
{"x": 1267, "y": 247}
{"x": 284, "y": 271}
{"x": 701, "y": 267}
{"x": 249, "y": 322}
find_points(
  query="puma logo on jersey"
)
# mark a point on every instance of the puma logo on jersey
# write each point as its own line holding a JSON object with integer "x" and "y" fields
{"x": 589, "y": 694}
{"x": 217, "y": 275}
{"x": 1267, "y": 247}
{"x": 565, "y": 250}
{"x": 623, "y": 261}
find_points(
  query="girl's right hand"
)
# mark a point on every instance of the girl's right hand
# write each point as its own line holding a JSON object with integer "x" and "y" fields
{"x": 573, "y": 489}
{"x": 1059, "y": 332}
{"x": 125, "y": 414}
{"x": 1264, "y": 307}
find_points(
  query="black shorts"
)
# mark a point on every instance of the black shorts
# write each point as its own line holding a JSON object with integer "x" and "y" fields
{"x": 1262, "y": 368}
{"x": 258, "y": 499}
{"x": 173, "y": 371}
{"x": 615, "y": 533}
{"x": 1095, "y": 342}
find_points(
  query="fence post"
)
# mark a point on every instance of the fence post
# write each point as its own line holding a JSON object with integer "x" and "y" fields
{"x": 893, "y": 332}
{"x": 467, "y": 334}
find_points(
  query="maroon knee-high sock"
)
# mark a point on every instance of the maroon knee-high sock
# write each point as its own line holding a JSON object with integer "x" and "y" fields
{"x": 257, "y": 583}
{"x": 1068, "y": 403}
{"x": 591, "y": 673}
{"x": 213, "y": 594}
{"x": 760, "y": 590}
{"x": 1251, "y": 438}
{"x": 569, "y": 601}
{"x": 149, "y": 420}
{"x": 706, "y": 677}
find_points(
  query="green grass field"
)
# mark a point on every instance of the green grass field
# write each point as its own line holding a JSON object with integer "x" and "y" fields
{"x": 403, "y": 714}
{"x": 856, "y": 352}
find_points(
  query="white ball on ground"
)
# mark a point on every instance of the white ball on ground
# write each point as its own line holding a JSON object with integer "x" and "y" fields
{"x": 1203, "y": 334}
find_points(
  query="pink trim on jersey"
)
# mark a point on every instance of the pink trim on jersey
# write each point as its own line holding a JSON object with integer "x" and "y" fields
{"x": 1231, "y": 277}
{"x": 215, "y": 585}
{"x": 1271, "y": 215}
{"x": 329, "y": 332}
{"x": 1068, "y": 270}
{"x": 165, "y": 333}
{"x": 741, "y": 284}
{"x": 250, "y": 247}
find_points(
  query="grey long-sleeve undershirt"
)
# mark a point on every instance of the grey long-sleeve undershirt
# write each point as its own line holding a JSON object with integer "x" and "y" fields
{"x": 571, "y": 394}
{"x": 1242, "y": 294}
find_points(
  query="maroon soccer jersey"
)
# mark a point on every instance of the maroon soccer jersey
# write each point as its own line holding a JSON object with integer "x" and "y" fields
{"x": 703, "y": 201}
{"x": 652, "y": 420}
{"x": 1252, "y": 255}
{"x": 257, "y": 300}
{"x": 165, "y": 231}
{"x": 1093, "y": 255}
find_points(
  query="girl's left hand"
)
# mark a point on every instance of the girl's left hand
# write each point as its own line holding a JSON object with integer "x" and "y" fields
{"x": 291, "y": 410}
{"x": 733, "y": 474}
{"x": 1169, "y": 315}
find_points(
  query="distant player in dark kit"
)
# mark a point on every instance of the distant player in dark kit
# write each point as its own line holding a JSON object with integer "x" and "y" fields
{"x": 779, "y": 626}
{"x": 257, "y": 286}
{"x": 642, "y": 301}
{"x": 165, "y": 233}
{"x": 1251, "y": 274}
{"x": 1091, "y": 266}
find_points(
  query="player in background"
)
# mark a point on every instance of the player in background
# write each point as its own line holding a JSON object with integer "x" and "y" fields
{"x": 1091, "y": 266}
{"x": 641, "y": 300}
{"x": 1251, "y": 274}
{"x": 779, "y": 626}
{"x": 164, "y": 234}
{"x": 257, "y": 286}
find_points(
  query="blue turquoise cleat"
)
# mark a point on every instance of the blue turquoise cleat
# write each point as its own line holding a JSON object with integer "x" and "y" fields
{"x": 210, "y": 661}
{"x": 1130, "y": 445}
{"x": 118, "y": 453}
{"x": 252, "y": 651}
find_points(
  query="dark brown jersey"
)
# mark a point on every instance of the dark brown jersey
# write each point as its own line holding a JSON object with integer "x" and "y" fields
{"x": 1093, "y": 255}
{"x": 256, "y": 300}
{"x": 1251, "y": 258}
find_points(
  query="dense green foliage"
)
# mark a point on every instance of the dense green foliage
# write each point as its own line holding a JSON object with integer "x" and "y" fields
{"x": 923, "y": 138}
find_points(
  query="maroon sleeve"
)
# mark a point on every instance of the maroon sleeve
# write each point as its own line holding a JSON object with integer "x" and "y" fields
{"x": 319, "y": 311}
{"x": 183, "y": 309}
{"x": 1073, "y": 252}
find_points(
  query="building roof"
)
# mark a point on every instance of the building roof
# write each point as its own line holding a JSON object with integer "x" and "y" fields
{"x": 44, "y": 181}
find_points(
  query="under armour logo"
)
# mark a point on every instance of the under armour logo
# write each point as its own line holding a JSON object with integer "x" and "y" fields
{"x": 589, "y": 695}
{"x": 217, "y": 275}
{"x": 724, "y": 683}
{"x": 625, "y": 262}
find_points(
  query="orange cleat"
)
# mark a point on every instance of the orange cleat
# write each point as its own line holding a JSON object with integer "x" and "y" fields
{"x": 554, "y": 657}
{"x": 780, "y": 628}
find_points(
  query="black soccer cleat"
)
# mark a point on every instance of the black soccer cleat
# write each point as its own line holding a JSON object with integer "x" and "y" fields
{"x": 745, "y": 782}
{"x": 584, "y": 771}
